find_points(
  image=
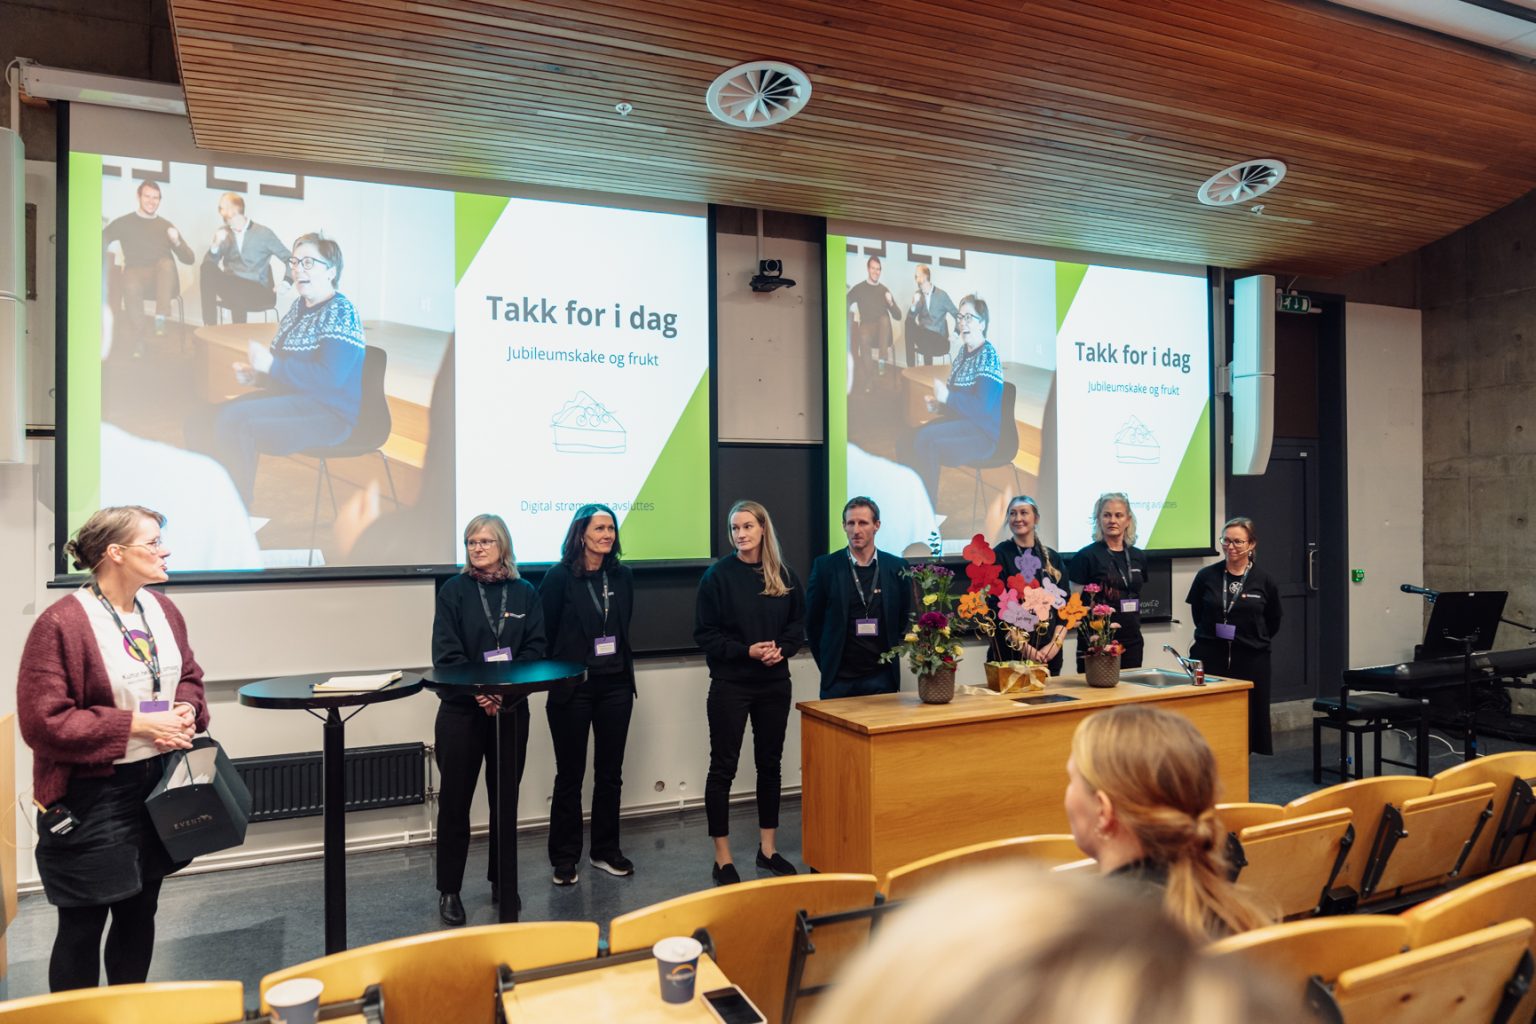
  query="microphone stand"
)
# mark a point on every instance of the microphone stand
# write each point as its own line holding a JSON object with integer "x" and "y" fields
{"x": 1469, "y": 738}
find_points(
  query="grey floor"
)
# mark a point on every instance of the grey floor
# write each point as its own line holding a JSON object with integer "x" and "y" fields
{"x": 244, "y": 924}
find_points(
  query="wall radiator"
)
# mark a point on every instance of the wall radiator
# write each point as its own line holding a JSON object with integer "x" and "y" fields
{"x": 290, "y": 785}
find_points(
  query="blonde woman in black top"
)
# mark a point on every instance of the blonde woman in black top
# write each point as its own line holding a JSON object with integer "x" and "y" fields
{"x": 750, "y": 620}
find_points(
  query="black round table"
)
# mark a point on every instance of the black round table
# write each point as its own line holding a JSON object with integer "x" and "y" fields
{"x": 512, "y": 681}
{"x": 295, "y": 693}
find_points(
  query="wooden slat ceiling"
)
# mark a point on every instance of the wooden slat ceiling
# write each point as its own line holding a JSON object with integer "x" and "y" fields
{"x": 1087, "y": 124}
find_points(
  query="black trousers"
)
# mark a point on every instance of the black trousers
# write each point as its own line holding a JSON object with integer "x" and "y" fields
{"x": 1227, "y": 658}
{"x": 729, "y": 707}
{"x": 239, "y": 295}
{"x": 466, "y": 739}
{"x": 600, "y": 706}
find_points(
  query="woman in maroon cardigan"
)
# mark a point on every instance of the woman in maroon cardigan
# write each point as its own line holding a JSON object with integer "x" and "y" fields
{"x": 107, "y": 688}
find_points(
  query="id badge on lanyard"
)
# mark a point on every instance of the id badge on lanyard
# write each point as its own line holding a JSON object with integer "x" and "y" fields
{"x": 866, "y": 625}
{"x": 497, "y": 623}
{"x": 605, "y": 646}
{"x": 147, "y": 652}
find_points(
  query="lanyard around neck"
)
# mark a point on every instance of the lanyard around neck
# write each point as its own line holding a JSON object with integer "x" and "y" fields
{"x": 604, "y": 606}
{"x": 499, "y": 621}
{"x": 1228, "y": 595}
{"x": 854, "y": 567}
{"x": 150, "y": 657}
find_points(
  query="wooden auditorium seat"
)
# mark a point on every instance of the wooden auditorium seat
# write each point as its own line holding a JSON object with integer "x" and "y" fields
{"x": 444, "y": 976}
{"x": 1423, "y": 843}
{"x": 753, "y": 927}
{"x": 1236, "y": 817}
{"x": 1323, "y": 947}
{"x": 1472, "y": 979}
{"x": 1489, "y": 900}
{"x": 1292, "y": 863}
{"x": 1425, "y": 854}
{"x": 160, "y": 1002}
{"x": 1049, "y": 850}
{"x": 1512, "y": 796}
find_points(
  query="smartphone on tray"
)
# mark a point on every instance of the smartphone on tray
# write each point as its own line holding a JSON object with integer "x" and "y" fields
{"x": 731, "y": 1006}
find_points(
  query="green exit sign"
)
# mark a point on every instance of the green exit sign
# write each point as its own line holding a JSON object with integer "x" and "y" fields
{"x": 1295, "y": 304}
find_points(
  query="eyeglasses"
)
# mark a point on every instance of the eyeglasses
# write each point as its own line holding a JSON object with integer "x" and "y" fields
{"x": 153, "y": 545}
{"x": 307, "y": 262}
{"x": 1228, "y": 542}
{"x": 475, "y": 545}
{"x": 969, "y": 317}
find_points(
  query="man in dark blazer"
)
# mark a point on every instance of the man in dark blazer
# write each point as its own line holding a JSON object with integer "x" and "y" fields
{"x": 857, "y": 606}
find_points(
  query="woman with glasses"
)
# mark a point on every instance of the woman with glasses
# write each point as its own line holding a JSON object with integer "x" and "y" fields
{"x": 309, "y": 381}
{"x": 970, "y": 403}
{"x": 108, "y": 687}
{"x": 1115, "y": 565}
{"x": 1237, "y": 612}
{"x": 486, "y": 613}
{"x": 588, "y": 598}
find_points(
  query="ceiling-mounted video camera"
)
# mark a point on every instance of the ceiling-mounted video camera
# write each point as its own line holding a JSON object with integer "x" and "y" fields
{"x": 770, "y": 275}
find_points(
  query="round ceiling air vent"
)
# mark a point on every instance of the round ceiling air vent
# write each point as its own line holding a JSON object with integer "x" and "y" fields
{"x": 758, "y": 94}
{"x": 1241, "y": 182}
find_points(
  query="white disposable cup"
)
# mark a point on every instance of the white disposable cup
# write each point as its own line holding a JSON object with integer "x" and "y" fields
{"x": 295, "y": 1001}
{"x": 677, "y": 962}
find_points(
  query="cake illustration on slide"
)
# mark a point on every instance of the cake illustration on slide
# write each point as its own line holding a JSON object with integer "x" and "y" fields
{"x": 1137, "y": 445}
{"x": 584, "y": 426}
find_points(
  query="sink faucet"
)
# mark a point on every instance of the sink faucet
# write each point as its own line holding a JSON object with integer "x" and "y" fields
{"x": 1183, "y": 661}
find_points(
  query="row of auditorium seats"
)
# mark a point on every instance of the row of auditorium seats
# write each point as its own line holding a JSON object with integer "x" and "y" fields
{"x": 1464, "y": 956}
{"x": 1386, "y": 841}
{"x": 1376, "y": 838}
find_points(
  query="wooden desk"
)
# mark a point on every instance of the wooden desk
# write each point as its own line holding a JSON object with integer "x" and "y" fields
{"x": 887, "y": 779}
{"x": 625, "y": 992}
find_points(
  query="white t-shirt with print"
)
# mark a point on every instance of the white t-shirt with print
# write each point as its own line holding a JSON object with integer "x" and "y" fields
{"x": 129, "y": 670}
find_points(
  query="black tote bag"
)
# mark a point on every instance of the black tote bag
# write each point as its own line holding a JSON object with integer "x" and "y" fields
{"x": 201, "y": 804}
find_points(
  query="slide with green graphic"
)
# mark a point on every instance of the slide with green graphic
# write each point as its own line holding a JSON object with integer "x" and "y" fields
{"x": 311, "y": 372}
{"x": 973, "y": 376}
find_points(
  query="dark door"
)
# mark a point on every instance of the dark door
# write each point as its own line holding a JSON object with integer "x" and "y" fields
{"x": 1283, "y": 503}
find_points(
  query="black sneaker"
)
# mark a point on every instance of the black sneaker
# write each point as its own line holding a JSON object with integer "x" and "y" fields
{"x": 615, "y": 864}
{"x": 725, "y": 874}
{"x": 565, "y": 874}
{"x": 777, "y": 864}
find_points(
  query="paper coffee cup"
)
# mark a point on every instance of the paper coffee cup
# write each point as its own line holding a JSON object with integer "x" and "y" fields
{"x": 295, "y": 1001}
{"x": 677, "y": 961}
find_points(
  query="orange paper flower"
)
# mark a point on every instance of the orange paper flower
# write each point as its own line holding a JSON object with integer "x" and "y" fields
{"x": 1073, "y": 612}
{"x": 972, "y": 604}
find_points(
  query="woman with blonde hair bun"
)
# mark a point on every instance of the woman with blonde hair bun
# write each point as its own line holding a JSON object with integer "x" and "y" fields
{"x": 1141, "y": 800}
{"x": 1009, "y": 945}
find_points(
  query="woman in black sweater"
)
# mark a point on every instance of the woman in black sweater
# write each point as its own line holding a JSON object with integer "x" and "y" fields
{"x": 1237, "y": 612}
{"x": 750, "y": 619}
{"x": 1119, "y": 568}
{"x": 588, "y": 598}
{"x": 1023, "y": 518}
{"x": 486, "y": 613}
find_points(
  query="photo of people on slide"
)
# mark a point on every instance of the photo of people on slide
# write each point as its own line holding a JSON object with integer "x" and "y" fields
{"x": 973, "y": 376}
{"x": 285, "y": 333}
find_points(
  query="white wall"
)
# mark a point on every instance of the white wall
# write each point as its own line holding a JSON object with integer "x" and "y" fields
{"x": 1384, "y": 391}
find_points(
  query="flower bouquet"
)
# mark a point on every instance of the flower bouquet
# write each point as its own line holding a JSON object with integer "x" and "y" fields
{"x": 1102, "y": 659}
{"x": 930, "y": 646}
{"x": 1022, "y": 619}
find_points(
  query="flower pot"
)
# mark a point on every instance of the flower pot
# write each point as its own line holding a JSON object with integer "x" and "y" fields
{"x": 1102, "y": 670}
{"x": 938, "y": 688}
